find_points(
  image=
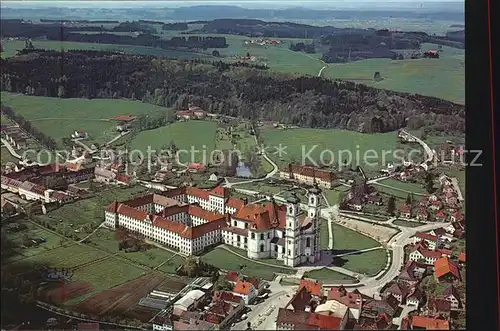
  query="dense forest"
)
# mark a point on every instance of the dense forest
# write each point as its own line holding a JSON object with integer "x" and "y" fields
{"x": 228, "y": 90}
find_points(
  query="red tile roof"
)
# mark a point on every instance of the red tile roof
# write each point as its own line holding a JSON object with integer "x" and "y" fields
{"x": 350, "y": 299}
{"x": 440, "y": 214}
{"x": 445, "y": 266}
{"x": 235, "y": 203}
{"x": 461, "y": 257}
{"x": 263, "y": 217}
{"x": 196, "y": 166}
{"x": 405, "y": 208}
{"x": 315, "y": 288}
{"x": 197, "y": 192}
{"x": 226, "y": 296}
{"x": 429, "y": 323}
{"x": 311, "y": 172}
{"x": 307, "y": 319}
{"x": 458, "y": 215}
{"x": 220, "y": 191}
{"x": 233, "y": 276}
{"x": 242, "y": 287}
{"x": 426, "y": 236}
{"x": 123, "y": 179}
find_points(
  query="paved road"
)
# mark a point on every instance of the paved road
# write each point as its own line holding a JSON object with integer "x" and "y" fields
{"x": 321, "y": 71}
{"x": 430, "y": 153}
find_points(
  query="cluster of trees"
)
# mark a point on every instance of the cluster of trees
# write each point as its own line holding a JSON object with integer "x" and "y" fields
{"x": 301, "y": 47}
{"x": 246, "y": 92}
{"x": 193, "y": 267}
{"x": 133, "y": 27}
{"x": 175, "y": 26}
{"x": 26, "y": 125}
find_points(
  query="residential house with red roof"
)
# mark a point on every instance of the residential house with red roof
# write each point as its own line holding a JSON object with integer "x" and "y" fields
{"x": 421, "y": 253}
{"x": 423, "y": 215}
{"x": 308, "y": 175}
{"x": 428, "y": 323}
{"x": 246, "y": 290}
{"x": 303, "y": 320}
{"x": 190, "y": 219}
{"x": 431, "y": 241}
{"x": 445, "y": 270}
{"x": 313, "y": 287}
{"x": 461, "y": 258}
{"x": 223, "y": 308}
{"x": 405, "y": 211}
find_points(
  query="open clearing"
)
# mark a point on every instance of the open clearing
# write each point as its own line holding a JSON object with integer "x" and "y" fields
{"x": 368, "y": 263}
{"x": 341, "y": 143}
{"x": 443, "y": 78}
{"x": 199, "y": 135}
{"x": 382, "y": 233}
{"x": 59, "y": 118}
{"x": 223, "y": 259}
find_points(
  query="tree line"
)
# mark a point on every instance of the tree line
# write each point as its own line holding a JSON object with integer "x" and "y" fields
{"x": 235, "y": 91}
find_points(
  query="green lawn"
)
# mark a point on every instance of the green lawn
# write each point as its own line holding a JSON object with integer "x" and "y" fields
{"x": 53, "y": 241}
{"x": 334, "y": 195}
{"x": 368, "y": 263}
{"x": 405, "y": 186}
{"x": 389, "y": 191}
{"x": 6, "y": 157}
{"x": 228, "y": 261}
{"x": 443, "y": 78}
{"x": 262, "y": 187}
{"x": 326, "y": 275}
{"x": 59, "y": 118}
{"x": 342, "y": 143}
{"x": 85, "y": 215}
{"x": 199, "y": 135}
{"x": 153, "y": 257}
{"x": 12, "y": 46}
{"x": 345, "y": 239}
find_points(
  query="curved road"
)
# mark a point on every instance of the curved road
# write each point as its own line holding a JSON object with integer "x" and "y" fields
{"x": 430, "y": 153}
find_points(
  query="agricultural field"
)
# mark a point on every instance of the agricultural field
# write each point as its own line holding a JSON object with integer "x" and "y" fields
{"x": 12, "y": 46}
{"x": 105, "y": 275}
{"x": 443, "y": 78}
{"x": 59, "y": 118}
{"x": 80, "y": 218}
{"x": 341, "y": 142}
{"x": 326, "y": 275}
{"x": 118, "y": 300}
{"x": 199, "y": 135}
{"x": 223, "y": 259}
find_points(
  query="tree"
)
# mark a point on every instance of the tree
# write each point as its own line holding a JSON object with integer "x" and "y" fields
{"x": 248, "y": 54}
{"x": 377, "y": 77}
{"x": 409, "y": 199}
{"x": 215, "y": 53}
{"x": 391, "y": 206}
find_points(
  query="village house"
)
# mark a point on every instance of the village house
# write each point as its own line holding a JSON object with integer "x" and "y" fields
{"x": 457, "y": 217}
{"x": 196, "y": 167}
{"x": 103, "y": 175}
{"x": 315, "y": 288}
{"x": 431, "y": 241}
{"x": 428, "y": 323}
{"x": 435, "y": 205}
{"x": 461, "y": 258}
{"x": 405, "y": 211}
{"x": 398, "y": 291}
{"x": 451, "y": 295}
{"x": 423, "y": 255}
{"x": 415, "y": 297}
{"x": 224, "y": 308}
{"x": 422, "y": 215}
{"x": 308, "y": 175}
{"x": 246, "y": 290}
{"x": 445, "y": 270}
{"x": 79, "y": 135}
{"x": 293, "y": 320}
